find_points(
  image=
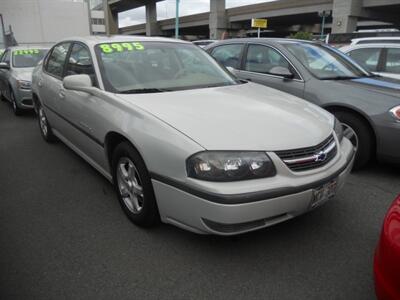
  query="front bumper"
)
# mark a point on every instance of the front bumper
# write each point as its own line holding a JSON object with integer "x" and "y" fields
{"x": 229, "y": 214}
{"x": 24, "y": 98}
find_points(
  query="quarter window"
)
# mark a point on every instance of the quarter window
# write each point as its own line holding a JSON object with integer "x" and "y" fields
{"x": 80, "y": 62}
{"x": 56, "y": 61}
{"x": 393, "y": 61}
{"x": 228, "y": 55}
{"x": 367, "y": 58}
{"x": 262, "y": 59}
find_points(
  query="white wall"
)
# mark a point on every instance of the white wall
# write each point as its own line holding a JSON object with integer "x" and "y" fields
{"x": 45, "y": 21}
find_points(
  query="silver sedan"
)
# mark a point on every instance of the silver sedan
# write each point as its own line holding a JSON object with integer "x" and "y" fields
{"x": 183, "y": 140}
{"x": 16, "y": 66}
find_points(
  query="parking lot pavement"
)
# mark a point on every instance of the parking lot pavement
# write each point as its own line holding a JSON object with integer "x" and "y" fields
{"x": 64, "y": 236}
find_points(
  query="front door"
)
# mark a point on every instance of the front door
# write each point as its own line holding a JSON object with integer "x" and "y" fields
{"x": 259, "y": 60}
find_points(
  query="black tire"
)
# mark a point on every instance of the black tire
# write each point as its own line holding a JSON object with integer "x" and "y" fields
{"x": 17, "y": 111}
{"x": 2, "y": 98}
{"x": 366, "y": 143}
{"x": 148, "y": 215}
{"x": 44, "y": 125}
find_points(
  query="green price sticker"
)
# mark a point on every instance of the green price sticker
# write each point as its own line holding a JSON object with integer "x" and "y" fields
{"x": 121, "y": 47}
{"x": 26, "y": 52}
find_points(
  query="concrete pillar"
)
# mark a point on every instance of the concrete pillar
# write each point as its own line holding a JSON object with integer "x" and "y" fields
{"x": 345, "y": 15}
{"x": 111, "y": 19}
{"x": 218, "y": 20}
{"x": 152, "y": 27}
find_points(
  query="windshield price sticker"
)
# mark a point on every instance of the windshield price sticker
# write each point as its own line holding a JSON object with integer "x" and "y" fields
{"x": 120, "y": 47}
{"x": 26, "y": 51}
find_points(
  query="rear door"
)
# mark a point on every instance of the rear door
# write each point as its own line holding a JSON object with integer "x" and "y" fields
{"x": 391, "y": 63}
{"x": 258, "y": 60}
{"x": 229, "y": 55}
{"x": 51, "y": 91}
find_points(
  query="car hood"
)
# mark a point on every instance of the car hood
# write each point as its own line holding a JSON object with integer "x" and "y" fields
{"x": 239, "y": 117}
{"x": 23, "y": 73}
{"x": 380, "y": 85}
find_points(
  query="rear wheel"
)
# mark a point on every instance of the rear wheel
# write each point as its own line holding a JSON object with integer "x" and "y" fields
{"x": 133, "y": 186}
{"x": 359, "y": 133}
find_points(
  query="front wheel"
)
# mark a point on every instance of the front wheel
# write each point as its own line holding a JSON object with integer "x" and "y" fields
{"x": 44, "y": 126}
{"x": 17, "y": 111}
{"x": 359, "y": 133}
{"x": 133, "y": 186}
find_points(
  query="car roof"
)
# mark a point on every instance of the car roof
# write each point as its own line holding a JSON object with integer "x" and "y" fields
{"x": 28, "y": 47}
{"x": 264, "y": 40}
{"x": 373, "y": 45}
{"x": 376, "y": 38}
{"x": 98, "y": 39}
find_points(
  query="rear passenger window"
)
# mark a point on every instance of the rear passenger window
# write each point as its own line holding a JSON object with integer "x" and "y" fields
{"x": 80, "y": 62}
{"x": 393, "y": 61}
{"x": 367, "y": 58}
{"x": 228, "y": 55}
{"x": 56, "y": 61}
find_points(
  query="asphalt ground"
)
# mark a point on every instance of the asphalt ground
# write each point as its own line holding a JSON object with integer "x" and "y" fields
{"x": 64, "y": 236}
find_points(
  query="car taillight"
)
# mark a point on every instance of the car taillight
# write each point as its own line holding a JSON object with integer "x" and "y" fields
{"x": 395, "y": 111}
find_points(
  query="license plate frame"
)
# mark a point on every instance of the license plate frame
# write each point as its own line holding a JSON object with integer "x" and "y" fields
{"x": 324, "y": 193}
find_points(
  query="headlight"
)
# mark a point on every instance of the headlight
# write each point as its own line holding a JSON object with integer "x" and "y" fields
{"x": 395, "y": 111}
{"x": 338, "y": 130}
{"x": 24, "y": 85}
{"x": 229, "y": 166}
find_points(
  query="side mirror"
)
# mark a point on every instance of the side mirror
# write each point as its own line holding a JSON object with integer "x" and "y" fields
{"x": 231, "y": 69}
{"x": 4, "y": 66}
{"x": 81, "y": 82}
{"x": 282, "y": 72}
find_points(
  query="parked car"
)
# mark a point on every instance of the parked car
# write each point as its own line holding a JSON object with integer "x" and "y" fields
{"x": 367, "y": 105}
{"x": 183, "y": 140}
{"x": 387, "y": 256}
{"x": 380, "y": 59}
{"x": 203, "y": 43}
{"x": 376, "y": 40}
{"x": 16, "y": 66}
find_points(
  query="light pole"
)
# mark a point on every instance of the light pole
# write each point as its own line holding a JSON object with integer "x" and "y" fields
{"x": 323, "y": 14}
{"x": 177, "y": 20}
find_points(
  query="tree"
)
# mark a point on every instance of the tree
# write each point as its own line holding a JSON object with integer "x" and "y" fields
{"x": 301, "y": 35}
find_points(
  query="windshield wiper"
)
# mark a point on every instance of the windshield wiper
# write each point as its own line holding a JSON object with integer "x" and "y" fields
{"x": 340, "y": 78}
{"x": 144, "y": 91}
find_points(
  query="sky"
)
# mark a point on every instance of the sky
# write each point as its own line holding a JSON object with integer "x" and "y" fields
{"x": 166, "y": 10}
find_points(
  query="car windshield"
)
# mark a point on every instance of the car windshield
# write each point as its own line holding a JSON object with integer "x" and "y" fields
{"x": 323, "y": 62}
{"x": 27, "y": 58}
{"x": 150, "y": 67}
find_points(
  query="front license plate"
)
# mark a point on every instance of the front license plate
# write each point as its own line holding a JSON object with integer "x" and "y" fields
{"x": 324, "y": 193}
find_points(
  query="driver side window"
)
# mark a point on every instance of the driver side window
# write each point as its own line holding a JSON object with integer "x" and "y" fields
{"x": 80, "y": 62}
{"x": 262, "y": 59}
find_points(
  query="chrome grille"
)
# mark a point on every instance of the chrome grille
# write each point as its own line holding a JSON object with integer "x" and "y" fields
{"x": 311, "y": 157}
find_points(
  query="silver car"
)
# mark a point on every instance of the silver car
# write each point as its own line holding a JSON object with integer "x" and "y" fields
{"x": 183, "y": 140}
{"x": 379, "y": 59}
{"x": 16, "y": 66}
{"x": 367, "y": 105}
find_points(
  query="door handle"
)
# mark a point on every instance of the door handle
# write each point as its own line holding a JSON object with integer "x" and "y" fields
{"x": 61, "y": 93}
{"x": 249, "y": 79}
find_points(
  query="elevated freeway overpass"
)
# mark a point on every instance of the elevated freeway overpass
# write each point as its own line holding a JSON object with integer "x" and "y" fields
{"x": 282, "y": 15}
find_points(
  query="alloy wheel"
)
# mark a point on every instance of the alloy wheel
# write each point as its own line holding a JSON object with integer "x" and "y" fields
{"x": 349, "y": 133}
{"x": 130, "y": 185}
{"x": 43, "y": 122}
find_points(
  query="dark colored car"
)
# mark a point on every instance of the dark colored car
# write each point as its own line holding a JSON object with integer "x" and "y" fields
{"x": 387, "y": 256}
{"x": 366, "y": 104}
